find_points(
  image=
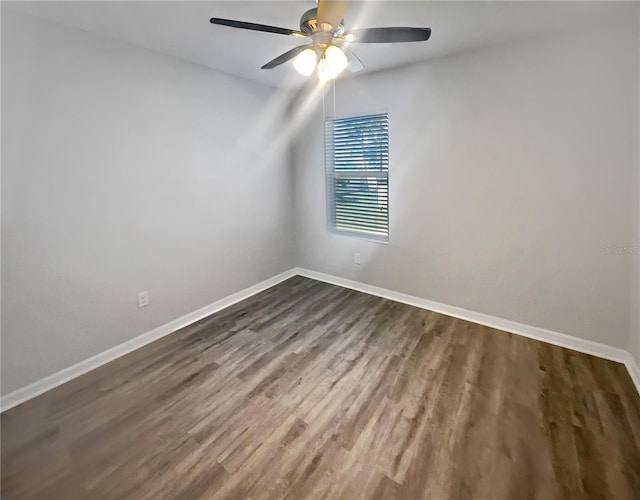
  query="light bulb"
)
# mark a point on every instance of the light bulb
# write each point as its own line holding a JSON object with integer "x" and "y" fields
{"x": 324, "y": 70}
{"x": 305, "y": 62}
{"x": 336, "y": 58}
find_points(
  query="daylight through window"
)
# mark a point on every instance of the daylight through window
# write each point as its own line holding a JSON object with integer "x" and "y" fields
{"x": 357, "y": 163}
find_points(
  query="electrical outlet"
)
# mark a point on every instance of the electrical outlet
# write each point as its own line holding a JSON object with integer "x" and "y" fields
{"x": 356, "y": 258}
{"x": 143, "y": 299}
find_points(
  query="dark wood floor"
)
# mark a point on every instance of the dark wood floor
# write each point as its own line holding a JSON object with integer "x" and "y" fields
{"x": 308, "y": 390}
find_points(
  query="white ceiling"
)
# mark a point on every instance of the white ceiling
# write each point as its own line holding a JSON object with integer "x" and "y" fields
{"x": 182, "y": 28}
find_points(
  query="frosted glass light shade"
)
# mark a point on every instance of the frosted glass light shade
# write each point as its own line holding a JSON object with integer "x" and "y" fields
{"x": 305, "y": 62}
{"x": 336, "y": 58}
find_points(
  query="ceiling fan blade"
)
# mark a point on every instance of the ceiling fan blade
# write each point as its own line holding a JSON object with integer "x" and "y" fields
{"x": 283, "y": 58}
{"x": 387, "y": 35}
{"x": 354, "y": 64}
{"x": 255, "y": 27}
{"x": 331, "y": 12}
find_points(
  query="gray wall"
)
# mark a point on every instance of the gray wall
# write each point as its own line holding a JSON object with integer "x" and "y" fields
{"x": 126, "y": 170}
{"x": 634, "y": 338}
{"x": 510, "y": 170}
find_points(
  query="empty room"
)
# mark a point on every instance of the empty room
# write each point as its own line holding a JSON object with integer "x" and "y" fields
{"x": 320, "y": 250}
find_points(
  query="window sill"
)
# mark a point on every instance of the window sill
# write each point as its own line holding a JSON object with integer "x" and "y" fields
{"x": 360, "y": 236}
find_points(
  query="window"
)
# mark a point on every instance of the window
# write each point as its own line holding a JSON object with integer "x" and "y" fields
{"x": 357, "y": 164}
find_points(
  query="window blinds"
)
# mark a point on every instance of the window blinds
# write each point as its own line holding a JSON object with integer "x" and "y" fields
{"x": 357, "y": 164}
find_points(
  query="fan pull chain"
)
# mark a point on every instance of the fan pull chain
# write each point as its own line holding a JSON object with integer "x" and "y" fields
{"x": 324, "y": 113}
{"x": 324, "y": 106}
{"x": 334, "y": 98}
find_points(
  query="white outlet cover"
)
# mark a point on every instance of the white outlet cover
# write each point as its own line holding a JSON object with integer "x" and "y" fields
{"x": 143, "y": 299}
{"x": 356, "y": 258}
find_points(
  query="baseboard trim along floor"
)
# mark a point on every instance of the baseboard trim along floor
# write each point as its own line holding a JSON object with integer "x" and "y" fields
{"x": 585, "y": 346}
{"x": 43, "y": 385}
{"x": 533, "y": 332}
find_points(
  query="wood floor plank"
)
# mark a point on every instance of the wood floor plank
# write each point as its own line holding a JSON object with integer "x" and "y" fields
{"x": 308, "y": 390}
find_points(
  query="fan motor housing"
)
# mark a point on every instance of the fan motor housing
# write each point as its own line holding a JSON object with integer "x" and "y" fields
{"x": 309, "y": 23}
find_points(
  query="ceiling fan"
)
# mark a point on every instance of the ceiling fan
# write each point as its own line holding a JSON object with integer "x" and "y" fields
{"x": 328, "y": 51}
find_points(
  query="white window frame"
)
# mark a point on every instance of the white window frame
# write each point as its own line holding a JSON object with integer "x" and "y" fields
{"x": 374, "y": 175}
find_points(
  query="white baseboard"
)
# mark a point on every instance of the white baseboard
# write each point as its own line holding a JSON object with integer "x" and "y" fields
{"x": 533, "y": 332}
{"x": 586, "y": 346}
{"x": 634, "y": 370}
{"x": 32, "y": 390}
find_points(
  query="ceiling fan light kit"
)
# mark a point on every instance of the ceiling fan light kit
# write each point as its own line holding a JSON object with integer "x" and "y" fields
{"x": 305, "y": 62}
{"x": 325, "y": 27}
{"x": 332, "y": 63}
